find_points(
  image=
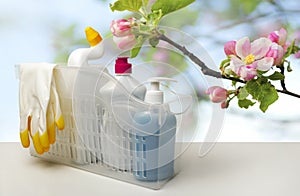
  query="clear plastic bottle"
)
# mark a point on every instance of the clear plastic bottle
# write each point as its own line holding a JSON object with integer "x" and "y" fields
{"x": 155, "y": 137}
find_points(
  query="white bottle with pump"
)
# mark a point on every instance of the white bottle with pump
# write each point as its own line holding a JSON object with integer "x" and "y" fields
{"x": 114, "y": 140}
{"x": 155, "y": 136}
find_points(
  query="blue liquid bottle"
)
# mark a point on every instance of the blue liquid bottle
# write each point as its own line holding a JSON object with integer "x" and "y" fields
{"x": 154, "y": 137}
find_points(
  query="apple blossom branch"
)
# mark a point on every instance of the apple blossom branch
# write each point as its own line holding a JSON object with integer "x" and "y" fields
{"x": 209, "y": 72}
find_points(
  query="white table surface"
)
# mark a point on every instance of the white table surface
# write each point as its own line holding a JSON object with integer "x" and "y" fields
{"x": 229, "y": 169}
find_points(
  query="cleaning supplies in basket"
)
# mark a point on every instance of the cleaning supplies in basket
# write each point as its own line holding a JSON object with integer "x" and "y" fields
{"x": 39, "y": 105}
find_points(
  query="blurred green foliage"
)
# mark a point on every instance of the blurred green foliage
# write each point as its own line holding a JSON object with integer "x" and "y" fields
{"x": 176, "y": 20}
{"x": 65, "y": 40}
{"x": 241, "y": 8}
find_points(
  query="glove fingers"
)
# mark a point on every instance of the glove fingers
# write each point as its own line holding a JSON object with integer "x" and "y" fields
{"x": 43, "y": 131}
{"x": 24, "y": 131}
{"x": 51, "y": 124}
{"x": 35, "y": 135}
{"x": 59, "y": 120}
{"x": 45, "y": 141}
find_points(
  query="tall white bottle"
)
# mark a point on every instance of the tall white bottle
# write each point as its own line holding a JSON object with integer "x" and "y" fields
{"x": 115, "y": 141}
{"x": 84, "y": 150}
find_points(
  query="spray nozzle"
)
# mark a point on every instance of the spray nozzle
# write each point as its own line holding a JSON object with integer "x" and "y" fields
{"x": 154, "y": 95}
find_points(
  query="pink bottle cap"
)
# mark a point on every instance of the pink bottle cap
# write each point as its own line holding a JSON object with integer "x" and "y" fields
{"x": 122, "y": 66}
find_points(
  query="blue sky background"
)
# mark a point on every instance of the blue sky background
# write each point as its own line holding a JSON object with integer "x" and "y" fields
{"x": 26, "y": 35}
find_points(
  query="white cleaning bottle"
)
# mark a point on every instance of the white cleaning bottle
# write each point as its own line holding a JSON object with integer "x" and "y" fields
{"x": 115, "y": 140}
{"x": 84, "y": 150}
{"x": 81, "y": 56}
{"x": 155, "y": 136}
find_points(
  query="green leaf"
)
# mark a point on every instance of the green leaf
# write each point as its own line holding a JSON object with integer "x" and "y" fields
{"x": 276, "y": 76}
{"x": 261, "y": 73}
{"x": 245, "y": 103}
{"x": 130, "y": 5}
{"x": 135, "y": 51}
{"x": 153, "y": 41}
{"x": 290, "y": 49}
{"x": 168, "y": 6}
{"x": 137, "y": 48}
{"x": 233, "y": 83}
{"x": 224, "y": 63}
{"x": 154, "y": 17}
{"x": 243, "y": 93}
{"x": 262, "y": 91}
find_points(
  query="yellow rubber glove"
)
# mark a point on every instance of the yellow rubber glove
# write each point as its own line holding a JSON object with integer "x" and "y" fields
{"x": 39, "y": 106}
{"x": 54, "y": 114}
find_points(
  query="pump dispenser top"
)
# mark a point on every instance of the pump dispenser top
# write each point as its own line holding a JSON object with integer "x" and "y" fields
{"x": 154, "y": 95}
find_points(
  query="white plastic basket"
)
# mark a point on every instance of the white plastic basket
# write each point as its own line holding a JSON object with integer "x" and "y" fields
{"x": 86, "y": 144}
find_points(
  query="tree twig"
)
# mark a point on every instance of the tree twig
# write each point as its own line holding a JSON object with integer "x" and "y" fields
{"x": 205, "y": 70}
{"x": 282, "y": 82}
{"x": 209, "y": 72}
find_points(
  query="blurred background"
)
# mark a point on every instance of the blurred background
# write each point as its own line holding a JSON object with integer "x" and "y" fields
{"x": 47, "y": 31}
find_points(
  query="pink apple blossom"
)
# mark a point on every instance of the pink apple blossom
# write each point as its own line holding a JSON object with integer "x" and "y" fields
{"x": 122, "y": 33}
{"x": 276, "y": 52}
{"x": 126, "y": 42}
{"x": 278, "y": 37}
{"x": 217, "y": 94}
{"x": 251, "y": 57}
{"x": 247, "y": 72}
{"x": 121, "y": 27}
{"x": 229, "y": 48}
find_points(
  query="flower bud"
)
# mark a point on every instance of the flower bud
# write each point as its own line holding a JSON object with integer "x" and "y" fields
{"x": 278, "y": 37}
{"x": 121, "y": 28}
{"x": 224, "y": 104}
{"x": 217, "y": 94}
{"x": 276, "y": 52}
{"x": 126, "y": 42}
{"x": 229, "y": 48}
